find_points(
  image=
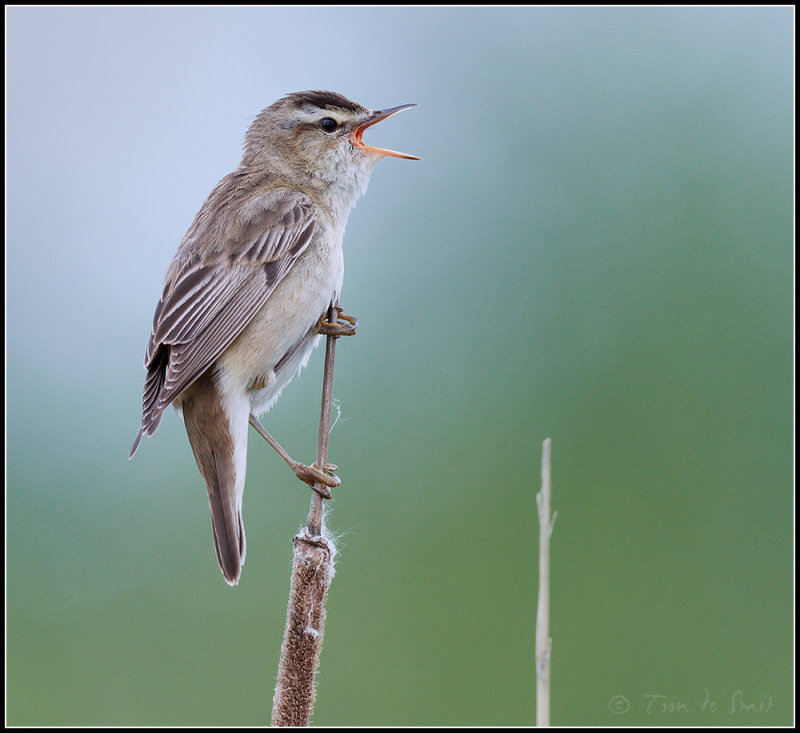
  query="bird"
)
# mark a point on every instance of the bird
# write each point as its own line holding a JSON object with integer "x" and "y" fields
{"x": 248, "y": 291}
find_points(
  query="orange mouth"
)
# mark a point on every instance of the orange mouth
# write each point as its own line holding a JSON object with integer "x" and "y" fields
{"x": 377, "y": 117}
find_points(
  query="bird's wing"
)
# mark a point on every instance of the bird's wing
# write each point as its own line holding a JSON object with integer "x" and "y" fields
{"x": 210, "y": 301}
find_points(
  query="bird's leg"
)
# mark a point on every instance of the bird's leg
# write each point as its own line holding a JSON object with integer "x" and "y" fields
{"x": 344, "y": 325}
{"x": 320, "y": 481}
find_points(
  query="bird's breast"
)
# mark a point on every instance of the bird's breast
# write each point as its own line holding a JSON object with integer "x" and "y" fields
{"x": 279, "y": 340}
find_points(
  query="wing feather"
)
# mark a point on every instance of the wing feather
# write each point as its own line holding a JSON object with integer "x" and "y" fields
{"x": 211, "y": 300}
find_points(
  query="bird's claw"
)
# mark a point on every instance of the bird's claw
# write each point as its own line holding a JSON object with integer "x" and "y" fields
{"x": 344, "y": 325}
{"x": 320, "y": 481}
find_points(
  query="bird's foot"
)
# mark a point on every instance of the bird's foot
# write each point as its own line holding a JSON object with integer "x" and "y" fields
{"x": 343, "y": 325}
{"x": 320, "y": 480}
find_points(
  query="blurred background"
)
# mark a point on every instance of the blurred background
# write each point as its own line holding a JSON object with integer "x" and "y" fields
{"x": 597, "y": 247}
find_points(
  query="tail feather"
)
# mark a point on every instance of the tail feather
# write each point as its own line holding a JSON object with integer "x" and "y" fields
{"x": 213, "y": 440}
{"x": 228, "y": 537}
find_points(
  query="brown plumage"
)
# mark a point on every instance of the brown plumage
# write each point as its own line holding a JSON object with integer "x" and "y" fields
{"x": 258, "y": 267}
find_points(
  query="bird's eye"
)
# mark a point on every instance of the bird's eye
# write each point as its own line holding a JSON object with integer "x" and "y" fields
{"x": 328, "y": 124}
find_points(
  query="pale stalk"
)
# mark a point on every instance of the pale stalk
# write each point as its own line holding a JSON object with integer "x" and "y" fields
{"x": 543, "y": 641}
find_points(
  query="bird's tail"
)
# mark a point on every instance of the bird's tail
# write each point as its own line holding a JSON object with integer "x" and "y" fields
{"x": 219, "y": 442}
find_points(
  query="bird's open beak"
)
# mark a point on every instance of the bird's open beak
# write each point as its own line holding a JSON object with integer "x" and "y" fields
{"x": 377, "y": 117}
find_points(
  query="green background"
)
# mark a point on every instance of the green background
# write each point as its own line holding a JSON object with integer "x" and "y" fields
{"x": 597, "y": 247}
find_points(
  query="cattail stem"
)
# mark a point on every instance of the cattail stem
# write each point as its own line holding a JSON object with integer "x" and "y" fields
{"x": 543, "y": 641}
{"x": 314, "y": 522}
{"x": 312, "y": 573}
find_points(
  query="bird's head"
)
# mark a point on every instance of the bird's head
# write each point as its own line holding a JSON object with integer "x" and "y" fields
{"x": 317, "y": 136}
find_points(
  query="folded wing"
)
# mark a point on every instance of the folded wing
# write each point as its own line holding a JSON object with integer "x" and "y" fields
{"x": 210, "y": 301}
